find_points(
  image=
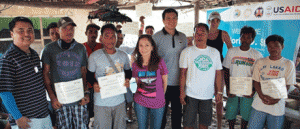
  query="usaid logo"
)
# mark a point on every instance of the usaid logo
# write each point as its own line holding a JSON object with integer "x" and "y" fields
{"x": 286, "y": 9}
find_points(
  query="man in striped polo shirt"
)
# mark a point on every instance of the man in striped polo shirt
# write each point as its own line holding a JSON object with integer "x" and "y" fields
{"x": 22, "y": 86}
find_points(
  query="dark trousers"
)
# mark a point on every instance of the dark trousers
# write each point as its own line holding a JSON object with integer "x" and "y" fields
{"x": 172, "y": 94}
{"x": 90, "y": 105}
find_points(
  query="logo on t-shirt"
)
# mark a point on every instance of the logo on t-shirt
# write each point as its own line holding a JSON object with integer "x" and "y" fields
{"x": 147, "y": 84}
{"x": 68, "y": 64}
{"x": 239, "y": 60}
{"x": 203, "y": 62}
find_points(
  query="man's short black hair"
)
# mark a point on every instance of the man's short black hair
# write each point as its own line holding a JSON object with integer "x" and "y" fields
{"x": 108, "y": 26}
{"x": 52, "y": 25}
{"x": 248, "y": 30}
{"x": 201, "y": 24}
{"x": 275, "y": 38}
{"x": 147, "y": 27}
{"x": 169, "y": 10}
{"x": 92, "y": 26}
{"x": 119, "y": 31}
{"x": 17, "y": 19}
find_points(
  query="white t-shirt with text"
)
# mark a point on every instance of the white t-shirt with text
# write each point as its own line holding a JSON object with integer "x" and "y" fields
{"x": 240, "y": 63}
{"x": 266, "y": 69}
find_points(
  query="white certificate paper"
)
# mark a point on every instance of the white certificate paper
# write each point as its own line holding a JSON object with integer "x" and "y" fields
{"x": 131, "y": 28}
{"x": 144, "y": 9}
{"x": 241, "y": 85}
{"x": 69, "y": 92}
{"x": 112, "y": 85}
{"x": 186, "y": 28}
{"x": 275, "y": 88}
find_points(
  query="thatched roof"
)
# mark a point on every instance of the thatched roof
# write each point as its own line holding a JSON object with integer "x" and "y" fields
{"x": 121, "y": 4}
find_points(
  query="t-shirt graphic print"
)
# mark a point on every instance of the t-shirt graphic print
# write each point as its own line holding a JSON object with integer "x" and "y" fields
{"x": 203, "y": 62}
{"x": 147, "y": 83}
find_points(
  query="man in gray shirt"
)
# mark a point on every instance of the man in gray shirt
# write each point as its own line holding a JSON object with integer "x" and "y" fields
{"x": 170, "y": 43}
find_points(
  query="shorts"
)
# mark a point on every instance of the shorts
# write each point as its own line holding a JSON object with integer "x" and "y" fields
{"x": 195, "y": 106}
{"x": 68, "y": 117}
{"x": 238, "y": 104}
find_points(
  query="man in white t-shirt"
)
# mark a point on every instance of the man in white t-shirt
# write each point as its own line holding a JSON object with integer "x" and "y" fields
{"x": 200, "y": 66}
{"x": 271, "y": 68}
{"x": 238, "y": 65}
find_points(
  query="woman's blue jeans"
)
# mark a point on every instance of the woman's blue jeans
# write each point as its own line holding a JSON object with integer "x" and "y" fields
{"x": 143, "y": 113}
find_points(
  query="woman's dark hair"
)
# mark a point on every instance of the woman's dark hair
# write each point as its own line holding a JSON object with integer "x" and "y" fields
{"x": 154, "y": 58}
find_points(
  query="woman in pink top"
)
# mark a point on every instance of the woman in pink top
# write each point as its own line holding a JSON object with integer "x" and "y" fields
{"x": 151, "y": 75}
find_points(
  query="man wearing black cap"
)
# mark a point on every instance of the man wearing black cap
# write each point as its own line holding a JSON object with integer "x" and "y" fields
{"x": 64, "y": 72}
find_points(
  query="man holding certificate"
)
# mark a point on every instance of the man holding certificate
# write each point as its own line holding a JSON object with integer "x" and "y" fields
{"x": 272, "y": 77}
{"x": 238, "y": 67}
{"x": 64, "y": 72}
{"x": 111, "y": 66}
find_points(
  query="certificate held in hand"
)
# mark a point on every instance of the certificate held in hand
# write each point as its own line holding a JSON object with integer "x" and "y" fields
{"x": 241, "y": 85}
{"x": 69, "y": 92}
{"x": 112, "y": 85}
{"x": 275, "y": 88}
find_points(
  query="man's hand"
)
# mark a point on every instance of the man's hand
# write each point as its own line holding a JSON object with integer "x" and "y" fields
{"x": 85, "y": 100}
{"x": 182, "y": 98}
{"x": 96, "y": 87}
{"x": 268, "y": 100}
{"x": 271, "y": 101}
{"x": 55, "y": 103}
{"x": 219, "y": 98}
{"x": 127, "y": 83}
{"x": 23, "y": 122}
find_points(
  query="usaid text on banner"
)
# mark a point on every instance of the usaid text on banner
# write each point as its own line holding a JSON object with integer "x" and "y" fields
{"x": 275, "y": 17}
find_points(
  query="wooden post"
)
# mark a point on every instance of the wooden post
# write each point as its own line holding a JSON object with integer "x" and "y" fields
{"x": 196, "y": 8}
{"x": 41, "y": 31}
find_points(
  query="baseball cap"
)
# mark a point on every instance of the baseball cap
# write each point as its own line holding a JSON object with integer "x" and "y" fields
{"x": 214, "y": 15}
{"x": 62, "y": 22}
{"x": 92, "y": 26}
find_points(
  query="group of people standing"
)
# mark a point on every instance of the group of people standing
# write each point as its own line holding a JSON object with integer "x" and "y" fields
{"x": 164, "y": 67}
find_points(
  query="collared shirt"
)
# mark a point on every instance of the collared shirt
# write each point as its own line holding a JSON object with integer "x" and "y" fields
{"x": 169, "y": 48}
{"x": 21, "y": 74}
